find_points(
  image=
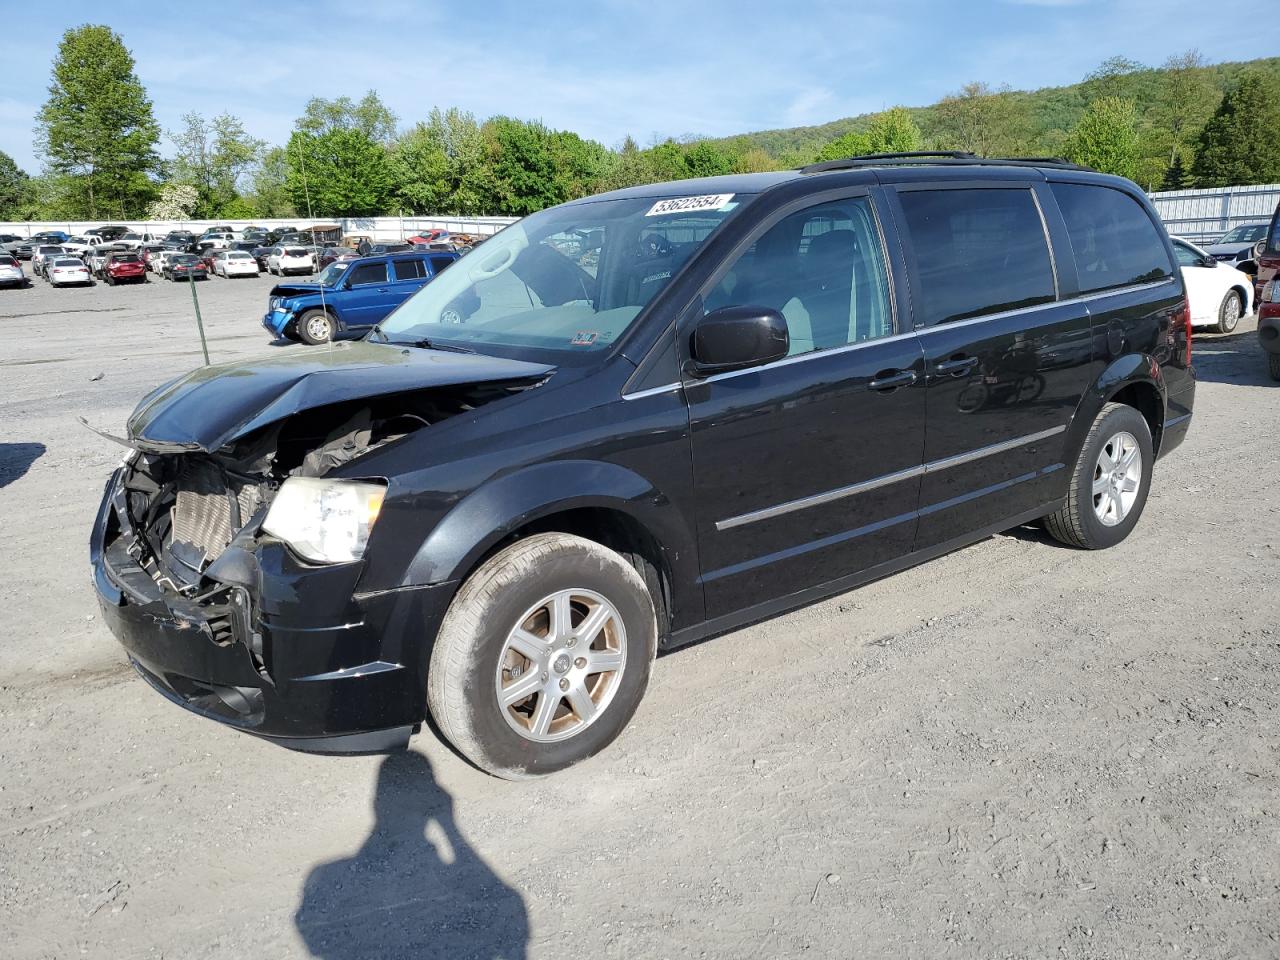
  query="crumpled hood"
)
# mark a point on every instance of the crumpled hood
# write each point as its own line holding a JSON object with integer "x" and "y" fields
{"x": 301, "y": 289}
{"x": 215, "y": 405}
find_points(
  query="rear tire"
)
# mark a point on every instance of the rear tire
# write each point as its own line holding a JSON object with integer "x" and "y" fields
{"x": 1107, "y": 494}
{"x": 316, "y": 327}
{"x": 1229, "y": 312}
{"x": 511, "y": 599}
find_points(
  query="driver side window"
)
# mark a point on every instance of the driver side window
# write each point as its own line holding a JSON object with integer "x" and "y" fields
{"x": 823, "y": 269}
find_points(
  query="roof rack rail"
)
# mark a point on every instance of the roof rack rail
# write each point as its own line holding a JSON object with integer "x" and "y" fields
{"x": 937, "y": 157}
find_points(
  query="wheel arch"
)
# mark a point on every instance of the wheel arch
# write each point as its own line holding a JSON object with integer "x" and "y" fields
{"x": 1134, "y": 380}
{"x": 599, "y": 501}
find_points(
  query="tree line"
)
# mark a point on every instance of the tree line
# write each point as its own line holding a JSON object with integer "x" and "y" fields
{"x": 1182, "y": 125}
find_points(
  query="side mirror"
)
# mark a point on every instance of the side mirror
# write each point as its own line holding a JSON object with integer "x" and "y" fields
{"x": 734, "y": 338}
{"x": 1208, "y": 262}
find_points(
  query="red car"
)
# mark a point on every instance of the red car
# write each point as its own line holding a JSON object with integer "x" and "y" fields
{"x": 121, "y": 267}
{"x": 1268, "y": 300}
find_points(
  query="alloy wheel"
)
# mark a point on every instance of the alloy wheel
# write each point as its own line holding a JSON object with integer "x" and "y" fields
{"x": 1116, "y": 478}
{"x": 561, "y": 665}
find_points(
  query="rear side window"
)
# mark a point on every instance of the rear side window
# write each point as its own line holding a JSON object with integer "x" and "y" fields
{"x": 413, "y": 269}
{"x": 1114, "y": 240}
{"x": 977, "y": 252}
{"x": 440, "y": 263}
{"x": 368, "y": 273}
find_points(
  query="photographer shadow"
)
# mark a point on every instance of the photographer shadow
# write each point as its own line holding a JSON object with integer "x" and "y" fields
{"x": 415, "y": 888}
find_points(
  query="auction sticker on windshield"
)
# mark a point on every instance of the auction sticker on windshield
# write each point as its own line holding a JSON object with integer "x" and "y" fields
{"x": 713, "y": 201}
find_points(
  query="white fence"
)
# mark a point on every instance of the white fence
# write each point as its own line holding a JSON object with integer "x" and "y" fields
{"x": 1202, "y": 216}
{"x": 384, "y": 229}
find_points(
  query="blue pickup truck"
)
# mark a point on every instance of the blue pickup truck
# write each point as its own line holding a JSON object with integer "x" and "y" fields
{"x": 350, "y": 296}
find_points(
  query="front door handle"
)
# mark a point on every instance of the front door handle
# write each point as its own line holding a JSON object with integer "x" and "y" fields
{"x": 888, "y": 380}
{"x": 956, "y": 366}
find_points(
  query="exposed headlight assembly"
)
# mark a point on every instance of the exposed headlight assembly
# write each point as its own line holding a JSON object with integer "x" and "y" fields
{"x": 327, "y": 521}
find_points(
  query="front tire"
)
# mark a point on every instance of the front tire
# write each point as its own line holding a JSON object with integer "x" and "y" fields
{"x": 1110, "y": 482}
{"x": 543, "y": 656}
{"x": 316, "y": 327}
{"x": 1229, "y": 312}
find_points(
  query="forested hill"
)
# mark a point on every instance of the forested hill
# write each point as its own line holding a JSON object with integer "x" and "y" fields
{"x": 1037, "y": 120}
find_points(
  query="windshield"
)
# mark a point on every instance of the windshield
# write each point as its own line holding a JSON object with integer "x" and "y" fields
{"x": 1249, "y": 233}
{"x": 570, "y": 279}
{"x": 331, "y": 274}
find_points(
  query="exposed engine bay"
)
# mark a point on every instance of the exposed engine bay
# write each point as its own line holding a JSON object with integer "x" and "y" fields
{"x": 185, "y": 509}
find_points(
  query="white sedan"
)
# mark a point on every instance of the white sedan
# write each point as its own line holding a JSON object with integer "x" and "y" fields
{"x": 1219, "y": 294}
{"x": 66, "y": 270}
{"x": 235, "y": 263}
{"x": 285, "y": 260}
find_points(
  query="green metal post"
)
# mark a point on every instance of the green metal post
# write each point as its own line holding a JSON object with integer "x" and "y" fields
{"x": 204, "y": 346}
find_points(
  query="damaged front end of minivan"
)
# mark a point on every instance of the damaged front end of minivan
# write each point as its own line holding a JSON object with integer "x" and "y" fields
{"x": 230, "y": 544}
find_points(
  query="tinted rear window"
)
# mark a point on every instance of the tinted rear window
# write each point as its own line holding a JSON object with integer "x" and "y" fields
{"x": 412, "y": 269}
{"x": 977, "y": 252}
{"x": 1114, "y": 241}
{"x": 439, "y": 263}
{"x": 125, "y": 258}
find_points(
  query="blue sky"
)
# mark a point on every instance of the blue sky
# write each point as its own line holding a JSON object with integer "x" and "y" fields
{"x": 604, "y": 68}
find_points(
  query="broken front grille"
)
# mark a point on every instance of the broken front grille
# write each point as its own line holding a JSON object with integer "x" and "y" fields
{"x": 209, "y": 509}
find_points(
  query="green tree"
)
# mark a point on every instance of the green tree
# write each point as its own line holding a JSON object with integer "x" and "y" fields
{"x": 369, "y": 115}
{"x": 1176, "y": 176}
{"x": 893, "y": 131}
{"x": 97, "y": 126}
{"x": 214, "y": 156}
{"x": 419, "y": 170}
{"x": 13, "y": 188}
{"x": 269, "y": 185}
{"x": 628, "y": 166}
{"x": 981, "y": 120}
{"x": 1239, "y": 145}
{"x": 1186, "y": 98}
{"x": 340, "y": 173}
{"x": 519, "y": 167}
{"x": 704, "y": 159}
{"x": 1106, "y": 138}
{"x": 853, "y": 144}
{"x": 1114, "y": 77}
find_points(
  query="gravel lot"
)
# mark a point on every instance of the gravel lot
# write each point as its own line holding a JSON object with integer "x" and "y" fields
{"x": 1019, "y": 750}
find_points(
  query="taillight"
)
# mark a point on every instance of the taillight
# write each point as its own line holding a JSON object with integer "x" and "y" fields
{"x": 1186, "y": 326}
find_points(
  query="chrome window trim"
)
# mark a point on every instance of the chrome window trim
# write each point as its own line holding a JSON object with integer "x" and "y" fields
{"x": 802, "y": 357}
{"x": 933, "y": 466}
{"x": 817, "y": 354}
{"x": 1082, "y": 298}
{"x": 652, "y": 391}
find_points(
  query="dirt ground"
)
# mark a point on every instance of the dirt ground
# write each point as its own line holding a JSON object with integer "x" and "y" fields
{"x": 1019, "y": 750}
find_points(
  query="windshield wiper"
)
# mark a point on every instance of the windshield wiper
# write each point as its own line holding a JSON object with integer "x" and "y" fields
{"x": 450, "y": 347}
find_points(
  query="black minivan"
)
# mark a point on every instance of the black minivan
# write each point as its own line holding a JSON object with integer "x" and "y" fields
{"x": 633, "y": 421}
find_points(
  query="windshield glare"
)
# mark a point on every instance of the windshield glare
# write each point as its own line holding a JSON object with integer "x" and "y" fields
{"x": 571, "y": 278}
{"x": 1246, "y": 234}
{"x": 331, "y": 274}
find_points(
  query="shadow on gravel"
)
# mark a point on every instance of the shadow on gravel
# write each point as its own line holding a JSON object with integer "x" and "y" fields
{"x": 16, "y": 459}
{"x": 1235, "y": 358}
{"x": 416, "y": 888}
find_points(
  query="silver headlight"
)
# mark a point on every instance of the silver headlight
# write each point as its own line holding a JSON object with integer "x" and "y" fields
{"x": 327, "y": 521}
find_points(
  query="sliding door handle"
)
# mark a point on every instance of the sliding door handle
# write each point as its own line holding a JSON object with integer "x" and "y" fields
{"x": 956, "y": 366}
